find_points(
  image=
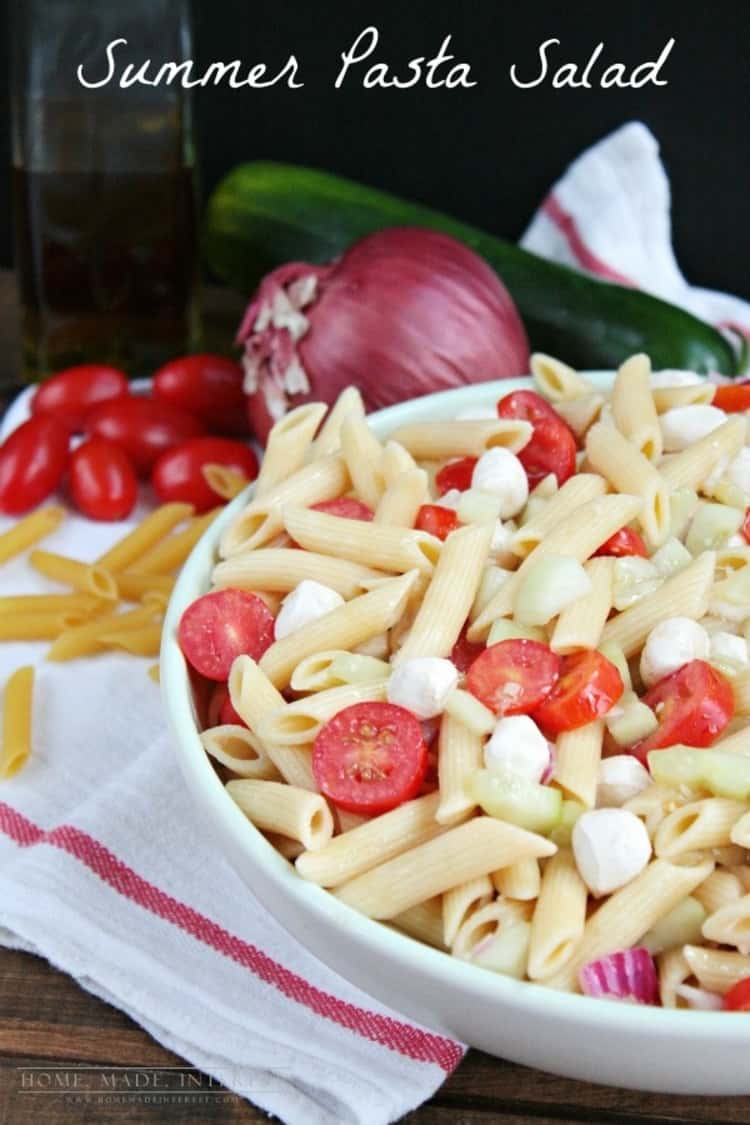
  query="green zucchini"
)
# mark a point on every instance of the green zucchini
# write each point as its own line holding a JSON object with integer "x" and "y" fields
{"x": 263, "y": 214}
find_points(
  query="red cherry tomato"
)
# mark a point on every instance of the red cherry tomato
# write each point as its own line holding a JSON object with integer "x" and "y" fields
{"x": 589, "y": 686}
{"x": 222, "y": 625}
{"x": 102, "y": 480}
{"x": 72, "y": 393}
{"x": 220, "y": 709}
{"x": 733, "y": 397}
{"x": 370, "y": 757}
{"x": 456, "y": 474}
{"x": 693, "y": 706}
{"x": 143, "y": 427}
{"x": 208, "y": 387}
{"x": 465, "y": 652}
{"x": 178, "y": 474}
{"x": 436, "y": 520}
{"x": 552, "y": 448}
{"x": 623, "y": 542}
{"x": 227, "y": 714}
{"x": 346, "y": 507}
{"x": 514, "y": 676}
{"x": 32, "y": 463}
{"x": 746, "y": 526}
{"x": 738, "y": 997}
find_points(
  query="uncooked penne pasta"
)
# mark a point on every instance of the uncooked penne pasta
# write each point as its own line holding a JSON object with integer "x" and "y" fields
{"x": 520, "y": 881}
{"x": 261, "y": 520}
{"x": 374, "y": 842}
{"x": 88, "y": 578}
{"x": 281, "y": 570}
{"x": 145, "y": 641}
{"x": 580, "y": 624}
{"x": 578, "y": 490}
{"x": 173, "y": 550}
{"x": 288, "y": 445}
{"x": 556, "y": 380}
{"x": 15, "y": 745}
{"x": 633, "y": 408}
{"x": 459, "y": 756}
{"x": 29, "y": 530}
{"x": 147, "y": 534}
{"x": 348, "y": 404}
{"x": 577, "y": 764}
{"x": 383, "y": 546}
{"x": 559, "y": 917}
{"x": 298, "y": 723}
{"x": 133, "y": 586}
{"x": 402, "y": 498}
{"x": 284, "y": 809}
{"x": 459, "y": 903}
{"x": 86, "y": 639}
{"x": 240, "y": 751}
{"x": 437, "y": 441}
{"x": 698, "y": 825}
{"x": 628, "y": 470}
{"x": 685, "y": 594}
{"x": 36, "y": 626}
{"x": 86, "y": 604}
{"x": 475, "y": 848}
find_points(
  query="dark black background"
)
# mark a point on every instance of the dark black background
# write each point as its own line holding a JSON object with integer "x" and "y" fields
{"x": 490, "y": 153}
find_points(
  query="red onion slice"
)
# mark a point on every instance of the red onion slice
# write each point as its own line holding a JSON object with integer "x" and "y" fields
{"x": 628, "y": 974}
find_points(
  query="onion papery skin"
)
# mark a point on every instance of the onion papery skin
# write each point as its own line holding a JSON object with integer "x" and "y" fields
{"x": 404, "y": 312}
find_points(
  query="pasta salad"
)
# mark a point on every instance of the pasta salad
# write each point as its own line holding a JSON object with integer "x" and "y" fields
{"x": 488, "y": 680}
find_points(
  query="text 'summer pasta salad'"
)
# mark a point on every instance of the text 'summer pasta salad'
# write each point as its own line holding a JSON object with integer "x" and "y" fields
{"x": 489, "y": 681}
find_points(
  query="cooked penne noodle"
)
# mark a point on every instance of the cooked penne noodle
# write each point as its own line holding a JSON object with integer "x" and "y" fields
{"x": 559, "y": 917}
{"x": 475, "y": 848}
{"x": 363, "y": 454}
{"x": 281, "y": 570}
{"x": 261, "y": 520}
{"x": 86, "y": 604}
{"x": 576, "y": 491}
{"x": 741, "y": 691}
{"x": 581, "y": 413}
{"x": 87, "y": 578}
{"x": 393, "y": 549}
{"x": 173, "y": 550}
{"x": 624, "y": 917}
{"x": 438, "y": 441}
{"x": 716, "y": 969}
{"x": 333, "y": 669}
{"x": 423, "y": 922}
{"x": 740, "y": 833}
{"x": 348, "y": 404}
{"x": 29, "y": 530}
{"x": 459, "y": 903}
{"x": 685, "y": 594}
{"x": 349, "y": 625}
{"x": 459, "y": 755}
{"x": 628, "y": 470}
{"x": 145, "y": 641}
{"x": 240, "y": 751}
{"x": 372, "y": 843}
{"x": 520, "y": 881}
{"x": 288, "y": 445}
{"x": 289, "y": 849}
{"x": 495, "y": 928}
{"x": 580, "y": 624}
{"x": 147, "y": 534}
{"x": 691, "y": 467}
{"x": 578, "y": 536}
{"x": 466, "y": 709}
{"x": 86, "y": 639}
{"x": 284, "y": 809}
{"x": 719, "y": 889}
{"x": 15, "y": 746}
{"x": 633, "y": 408}
{"x": 133, "y": 586}
{"x": 395, "y": 461}
{"x": 298, "y": 723}
{"x": 225, "y": 482}
{"x": 697, "y": 825}
{"x": 666, "y": 398}
{"x": 673, "y": 971}
{"x": 577, "y": 762}
{"x": 555, "y": 380}
{"x": 402, "y": 498}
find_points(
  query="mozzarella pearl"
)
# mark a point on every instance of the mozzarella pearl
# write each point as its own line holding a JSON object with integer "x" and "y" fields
{"x": 500, "y": 472}
{"x": 611, "y": 847}
{"x": 422, "y": 685}
{"x": 517, "y": 744}
{"x": 674, "y": 642}
{"x": 309, "y": 601}
{"x": 620, "y": 778}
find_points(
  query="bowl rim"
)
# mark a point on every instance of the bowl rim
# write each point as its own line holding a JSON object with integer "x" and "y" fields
{"x": 444, "y": 970}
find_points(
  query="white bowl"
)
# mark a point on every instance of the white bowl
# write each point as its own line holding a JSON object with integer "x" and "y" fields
{"x": 689, "y": 1052}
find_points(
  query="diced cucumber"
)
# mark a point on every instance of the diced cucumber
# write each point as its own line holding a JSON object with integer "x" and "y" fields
{"x": 508, "y": 796}
{"x": 724, "y": 775}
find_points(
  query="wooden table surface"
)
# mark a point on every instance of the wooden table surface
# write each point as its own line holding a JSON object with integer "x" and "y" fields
{"x": 56, "y": 1037}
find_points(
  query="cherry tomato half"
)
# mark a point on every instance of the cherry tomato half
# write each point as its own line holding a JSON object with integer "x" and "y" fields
{"x": 456, "y": 474}
{"x": 624, "y": 542}
{"x": 208, "y": 387}
{"x": 552, "y": 448}
{"x": 220, "y": 710}
{"x": 733, "y": 397}
{"x": 693, "y": 706}
{"x": 589, "y": 686}
{"x": 32, "y": 463}
{"x": 220, "y": 626}
{"x": 178, "y": 474}
{"x": 436, "y": 520}
{"x": 72, "y": 393}
{"x": 465, "y": 652}
{"x": 370, "y": 757}
{"x": 103, "y": 484}
{"x": 346, "y": 507}
{"x": 738, "y": 997}
{"x": 514, "y": 676}
{"x": 143, "y": 427}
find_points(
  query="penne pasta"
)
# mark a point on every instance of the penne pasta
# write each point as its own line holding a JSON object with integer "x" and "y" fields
{"x": 281, "y": 570}
{"x": 521, "y": 881}
{"x": 86, "y": 639}
{"x": 438, "y": 441}
{"x": 393, "y": 549}
{"x": 84, "y": 604}
{"x": 719, "y": 889}
{"x": 423, "y": 922}
{"x": 696, "y": 826}
{"x": 740, "y": 833}
{"x": 225, "y": 482}
{"x": 395, "y": 461}
{"x": 633, "y": 409}
{"x": 147, "y": 534}
{"x": 145, "y": 641}
{"x": 577, "y": 762}
{"x": 459, "y": 903}
{"x": 298, "y": 723}
{"x": 336, "y": 668}
{"x": 173, "y": 550}
{"x": 288, "y": 445}
{"x": 285, "y": 810}
{"x": 581, "y": 413}
{"x": 40, "y": 626}
{"x": 578, "y": 490}
{"x": 363, "y": 454}
{"x": 716, "y": 969}
{"x": 555, "y": 380}
{"x": 240, "y": 751}
{"x": 87, "y": 578}
{"x": 15, "y": 746}
{"x": 29, "y": 530}
{"x": 674, "y": 972}
{"x": 691, "y": 467}
{"x": 133, "y": 586}
{"x": 459, "y": 755}
{"x": 628, "y": 470}
{"x": 348, "y": 404}
{"x": 666, "y": 398}
{"x": 580, "y": 624}
{"x": 402, "y": 498}
{"x": 559, "y": 918}
{"x": 466, "y": 709}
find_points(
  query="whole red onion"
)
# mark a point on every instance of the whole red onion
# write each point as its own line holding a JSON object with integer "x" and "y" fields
{"x": 402, "y": 313}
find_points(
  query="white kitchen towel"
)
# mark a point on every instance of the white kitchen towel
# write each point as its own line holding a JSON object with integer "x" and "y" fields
{"x": 610, "y": 215}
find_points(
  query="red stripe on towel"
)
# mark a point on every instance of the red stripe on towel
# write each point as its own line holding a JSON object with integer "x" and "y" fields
{"x": 422, "y": 1046}
{"x": 567, "y": 226}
